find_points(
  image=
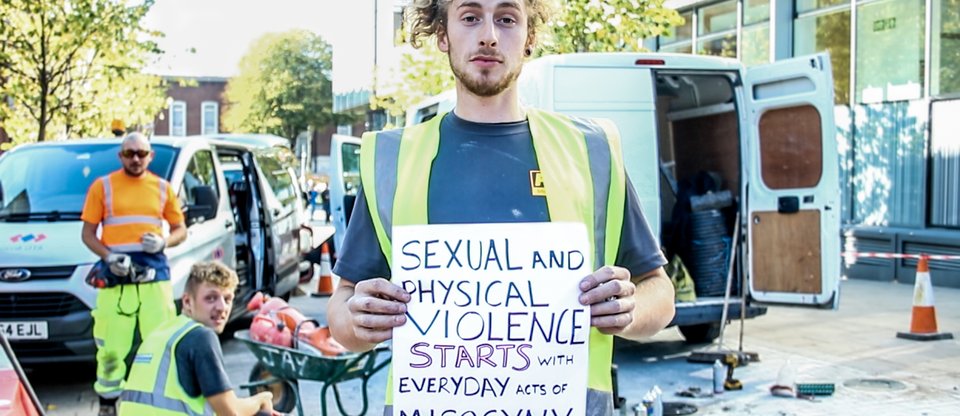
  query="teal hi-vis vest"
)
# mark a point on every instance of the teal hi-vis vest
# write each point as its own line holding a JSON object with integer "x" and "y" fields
{"x": 582, "y": 167}
{"x": 153, "y": 387}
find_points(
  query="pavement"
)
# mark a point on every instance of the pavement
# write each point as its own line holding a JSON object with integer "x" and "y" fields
{"x": 855, "y": 348}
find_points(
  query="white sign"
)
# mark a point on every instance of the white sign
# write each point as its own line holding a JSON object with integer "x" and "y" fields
{"x": 24, "y": 330}
{"x": 494, "y": 325}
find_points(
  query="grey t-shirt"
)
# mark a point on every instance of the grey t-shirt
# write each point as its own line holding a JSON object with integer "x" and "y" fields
{"x": 200, "y": 363}
{"x": 482, "y": 175}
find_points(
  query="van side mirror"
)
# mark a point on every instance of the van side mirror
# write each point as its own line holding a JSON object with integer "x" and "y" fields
{"x": 204, "y": 206}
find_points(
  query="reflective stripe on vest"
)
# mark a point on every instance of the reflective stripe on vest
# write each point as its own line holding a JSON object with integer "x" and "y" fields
{"x": 145, "y": 392}
{"x": 584, "y": 178}
{"x": 112, "y": 219}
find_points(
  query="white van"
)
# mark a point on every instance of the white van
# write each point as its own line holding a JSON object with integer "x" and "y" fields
{"x": 763, "y": 135}
{"x": 242, "y": 206}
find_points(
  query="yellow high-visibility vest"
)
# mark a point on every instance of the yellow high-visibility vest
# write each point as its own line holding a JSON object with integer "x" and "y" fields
{"x": 582, "y": 170}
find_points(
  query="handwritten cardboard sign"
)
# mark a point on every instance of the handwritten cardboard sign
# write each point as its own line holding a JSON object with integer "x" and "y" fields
{"x": 494, "y": 326}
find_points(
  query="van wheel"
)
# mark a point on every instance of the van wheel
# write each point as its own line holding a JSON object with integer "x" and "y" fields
{"x": 700, "y": 333}
{"x": 284, "y": 398}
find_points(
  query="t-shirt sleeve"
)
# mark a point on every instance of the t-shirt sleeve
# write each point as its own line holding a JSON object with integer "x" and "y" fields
{"x": 639, "y": 250}
{"x": 93, "y": 205}
{"x": 360, "y": 258}
{"x": 200, "y": 364}
{"x": 172, "y": 211}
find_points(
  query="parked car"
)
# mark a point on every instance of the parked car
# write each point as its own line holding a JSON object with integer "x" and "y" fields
{"x": 248, "y": 218}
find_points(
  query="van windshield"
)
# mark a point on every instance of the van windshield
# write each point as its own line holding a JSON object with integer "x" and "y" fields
{"x": 50, "y": 182}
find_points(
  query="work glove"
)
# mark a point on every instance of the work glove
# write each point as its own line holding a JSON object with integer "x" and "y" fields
{"x": 119, "y": 264}
{"x": 153, "y": 243}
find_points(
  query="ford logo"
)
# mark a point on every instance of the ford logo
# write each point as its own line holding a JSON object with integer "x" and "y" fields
{"x": 14, "y": 275}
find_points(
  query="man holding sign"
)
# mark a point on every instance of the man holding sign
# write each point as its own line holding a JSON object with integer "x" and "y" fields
{"x": 491, "y": 314}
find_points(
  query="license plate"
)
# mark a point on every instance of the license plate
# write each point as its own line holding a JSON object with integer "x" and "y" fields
{"x": 24, "y": 330}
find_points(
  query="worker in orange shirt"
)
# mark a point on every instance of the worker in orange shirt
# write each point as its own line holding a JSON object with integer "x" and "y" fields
{"x": 132, "y": 276}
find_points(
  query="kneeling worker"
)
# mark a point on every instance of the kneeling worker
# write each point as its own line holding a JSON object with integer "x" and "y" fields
{"x": 179, "y": 367}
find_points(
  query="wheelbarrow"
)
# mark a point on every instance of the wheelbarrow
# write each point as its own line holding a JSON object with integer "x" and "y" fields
{"x": 280, "y": 369}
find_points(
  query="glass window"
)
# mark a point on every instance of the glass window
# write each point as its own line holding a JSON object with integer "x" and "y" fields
{"x": 178, "y": 118}
{"x": 725, "y": 45}
{"x": 945, "y": 164}
{"x": 809, "y": 5}
{"x": 61, "y": 181}
{"x": 946, "y": 47}
{"x": 278, "y": 175}
{"x": 890, "y": 50}
{"x": 680, "y": 33}
{"x": 350, "y": 158}
{"x": 210, "y": 115}
{"x": 200, "y": 172}
{"x": 827, "y": 32}
{"x": 717, "y": 18}
{"x": 683, "y": 47}
{"x": 756, "y": 44}
{"x": 755, "y": 11}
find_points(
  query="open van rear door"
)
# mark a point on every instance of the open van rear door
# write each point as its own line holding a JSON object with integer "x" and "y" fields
{"x": 344, "y": 182}
{"x": 793, "y": 230}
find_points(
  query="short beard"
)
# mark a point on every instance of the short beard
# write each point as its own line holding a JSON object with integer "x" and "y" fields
{"x": 480, "y": 88}
{"x": 136, "y": 175}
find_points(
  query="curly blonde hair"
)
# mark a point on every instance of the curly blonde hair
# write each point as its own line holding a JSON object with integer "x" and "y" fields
{"x": 213, "y": 272}
{"x": 427, "y": 18}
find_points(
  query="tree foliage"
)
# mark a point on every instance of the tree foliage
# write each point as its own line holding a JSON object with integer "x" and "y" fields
{"x": 68, "y": 67}
{"x": 421, "y": 73}
{"x": 283, "y": 87}
{"x": 606, "y": 26}
{"x": 577, "y": 26}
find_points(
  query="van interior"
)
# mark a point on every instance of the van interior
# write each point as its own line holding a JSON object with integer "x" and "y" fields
{"x": 250, "y": 231}
{"x": 699, "y": 144}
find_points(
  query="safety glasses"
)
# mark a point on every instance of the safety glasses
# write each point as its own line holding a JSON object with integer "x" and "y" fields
{"x": 129, "y": 153}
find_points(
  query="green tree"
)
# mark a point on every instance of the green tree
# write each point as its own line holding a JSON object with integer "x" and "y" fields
{"x": 422, "y": 73}
{"x": 284, "y": 86}
{"x": 68, "y": 67}
{"x": 607, "y": 26}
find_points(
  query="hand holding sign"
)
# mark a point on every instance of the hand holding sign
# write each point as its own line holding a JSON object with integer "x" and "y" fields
{"x": 609, "y": 293}
{"x": 376, "y": 307}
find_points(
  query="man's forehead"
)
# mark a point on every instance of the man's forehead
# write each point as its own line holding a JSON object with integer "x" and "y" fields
{"x": 211, "y": 288}
{"x": 487, "y": 3}
{"x": 135, "y": 143}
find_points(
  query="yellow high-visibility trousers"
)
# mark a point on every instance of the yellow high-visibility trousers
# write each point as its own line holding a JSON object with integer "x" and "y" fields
{"x": 115, "y": 319}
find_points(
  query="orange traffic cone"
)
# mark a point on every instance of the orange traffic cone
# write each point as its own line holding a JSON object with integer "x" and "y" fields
{"x": 325, "y": 281}
{"x": 923, "y": 322}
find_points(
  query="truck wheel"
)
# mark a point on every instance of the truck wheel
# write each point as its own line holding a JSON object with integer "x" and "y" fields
{"x": 700, "y": 333}
{"x": 284, "y": 398}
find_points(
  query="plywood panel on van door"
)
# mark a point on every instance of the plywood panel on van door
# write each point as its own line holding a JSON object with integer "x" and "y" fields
{"x": 791, "y": 147}
{"x": 786, "y": 252}
{"x": 709, "y": 143}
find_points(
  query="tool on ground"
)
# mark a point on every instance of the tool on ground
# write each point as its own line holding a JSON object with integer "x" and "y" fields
{"x": 694, "y": 392}
{"x": 815, "y": 389}
{"x": 732, "y": 361}
{"x": 717, "y": 352}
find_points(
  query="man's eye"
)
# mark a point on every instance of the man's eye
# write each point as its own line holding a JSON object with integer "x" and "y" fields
{"x": 508, "y": 20}
{"x": 470, "y": 19}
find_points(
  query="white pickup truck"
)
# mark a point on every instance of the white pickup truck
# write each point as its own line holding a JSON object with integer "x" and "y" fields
{"x": 242, "y": 202}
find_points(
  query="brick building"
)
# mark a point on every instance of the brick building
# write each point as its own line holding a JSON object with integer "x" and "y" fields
{"x": 195, "y": 107}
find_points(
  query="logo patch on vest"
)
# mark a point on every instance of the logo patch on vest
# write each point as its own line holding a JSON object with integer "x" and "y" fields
{"x": 536, "y": 184}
